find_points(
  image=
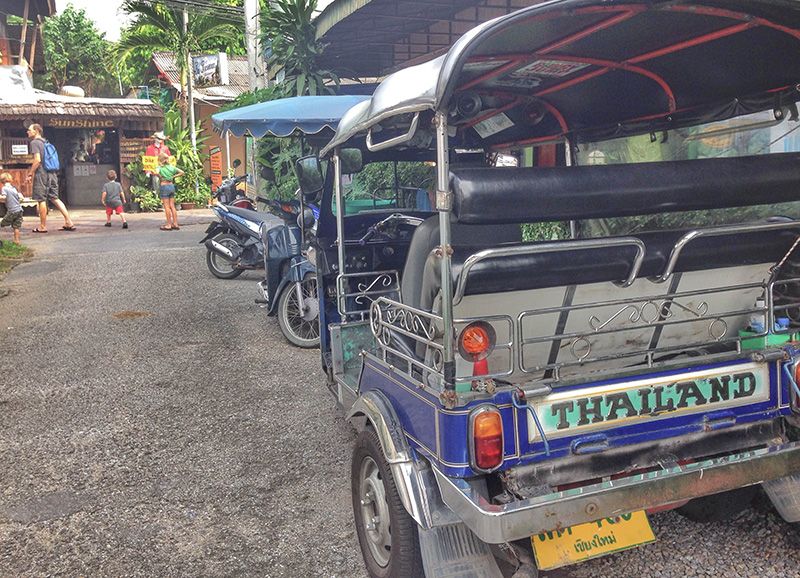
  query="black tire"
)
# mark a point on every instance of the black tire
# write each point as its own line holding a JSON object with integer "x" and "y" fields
{"x": 718, "y": 507}
{"x": 219, "y": 267}
{"x": 300, "y": 327}
{"x": 402, "y": 559}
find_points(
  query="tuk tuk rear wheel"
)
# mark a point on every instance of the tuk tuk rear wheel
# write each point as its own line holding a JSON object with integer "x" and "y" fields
{"x": 387, "y": 534}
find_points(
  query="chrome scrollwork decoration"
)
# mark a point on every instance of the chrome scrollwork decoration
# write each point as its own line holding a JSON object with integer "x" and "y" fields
{"x": 378, "y": 286}
{"x": 389, "y": 319}
{"x": 648, "y": 313}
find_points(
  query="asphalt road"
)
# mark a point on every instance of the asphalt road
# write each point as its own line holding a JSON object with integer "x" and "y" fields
{"x": 153, "y": 422}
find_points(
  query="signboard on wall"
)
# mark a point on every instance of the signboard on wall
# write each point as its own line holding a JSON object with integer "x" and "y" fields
{"x": 19, "y": 149}
{"x": 215, "y": 161}
{"x": 79, "y": 123}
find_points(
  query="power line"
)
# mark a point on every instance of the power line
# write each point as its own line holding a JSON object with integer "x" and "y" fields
{"x": 217, "y": 9}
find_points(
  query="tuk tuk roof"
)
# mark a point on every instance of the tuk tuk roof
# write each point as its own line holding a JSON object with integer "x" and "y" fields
{"x": 284, "y": 117}
{"x": 598, "y": 69}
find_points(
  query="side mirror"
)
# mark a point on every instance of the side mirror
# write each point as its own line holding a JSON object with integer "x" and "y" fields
{"x": 267, "y": 174}
{"x": 352, "y": 161}
{"x": 236, "y": 163}
{"x": 309, "y": 176}
{"x": 307, "y": 220}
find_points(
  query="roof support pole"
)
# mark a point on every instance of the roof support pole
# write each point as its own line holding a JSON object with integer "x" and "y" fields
{"x": 444, "y": 204}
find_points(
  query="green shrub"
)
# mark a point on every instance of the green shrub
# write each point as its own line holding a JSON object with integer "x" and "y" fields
{"x": 147, "y": 198}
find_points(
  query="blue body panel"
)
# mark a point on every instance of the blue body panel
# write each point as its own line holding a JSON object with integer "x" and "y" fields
{"x": 441, "y": 435}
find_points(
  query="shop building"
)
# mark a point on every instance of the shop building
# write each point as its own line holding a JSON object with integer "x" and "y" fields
{"x": 92, "y": 135}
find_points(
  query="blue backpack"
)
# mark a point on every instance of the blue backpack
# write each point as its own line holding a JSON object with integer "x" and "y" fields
{"x": 50, "y": 160}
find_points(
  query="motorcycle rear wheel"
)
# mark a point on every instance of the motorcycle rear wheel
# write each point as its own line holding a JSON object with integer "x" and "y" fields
{"x": 300, "y": 327}
{"x": 219, "y": 267}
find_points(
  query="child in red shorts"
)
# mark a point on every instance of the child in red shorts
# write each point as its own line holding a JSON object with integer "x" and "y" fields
{"x": 113, "y": 197}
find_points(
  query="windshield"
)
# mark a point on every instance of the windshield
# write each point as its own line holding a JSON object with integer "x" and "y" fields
{"x": 756, "y": 134}
{"x": 386, "y": 186}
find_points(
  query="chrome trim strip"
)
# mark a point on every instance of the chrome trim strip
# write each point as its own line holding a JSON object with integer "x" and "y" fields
{"x": 496, "y": 524}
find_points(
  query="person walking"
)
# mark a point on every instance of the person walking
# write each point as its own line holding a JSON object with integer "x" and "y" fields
{"x": 45, "y": 182}
{"x": 112, "y": 198}
{"x": 167, "y": 173}
{"x": 13, "y": 201}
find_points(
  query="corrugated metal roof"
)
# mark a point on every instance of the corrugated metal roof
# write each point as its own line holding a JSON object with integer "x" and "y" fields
{"x": 126, "y": 112}
{"x": 239, "y": 83}
{"x": 369, "y": 38}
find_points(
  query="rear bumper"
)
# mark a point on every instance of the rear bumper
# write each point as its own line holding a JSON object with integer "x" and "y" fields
{"x": 502, "y": 523}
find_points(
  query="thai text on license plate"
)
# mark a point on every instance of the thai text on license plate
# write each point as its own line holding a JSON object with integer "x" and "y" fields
{"x": 591, "y": 540}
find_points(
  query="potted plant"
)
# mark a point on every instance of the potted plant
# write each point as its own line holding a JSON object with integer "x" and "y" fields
{"x": 145, "y": 198}
{"x": 187, "y": 195}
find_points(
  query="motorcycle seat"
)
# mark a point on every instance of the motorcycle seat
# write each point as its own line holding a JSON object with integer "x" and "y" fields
{"x": 254, "y": 216}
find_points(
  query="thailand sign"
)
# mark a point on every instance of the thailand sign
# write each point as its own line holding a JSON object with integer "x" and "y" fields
{"x": 574, "y": 412}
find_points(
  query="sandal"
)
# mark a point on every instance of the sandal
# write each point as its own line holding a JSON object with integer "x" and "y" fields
{"x": 165, "y": 228}
{"x": 175, "y": 228}
{"x": 65, "y": 228}
{"x": 38, "y": 230}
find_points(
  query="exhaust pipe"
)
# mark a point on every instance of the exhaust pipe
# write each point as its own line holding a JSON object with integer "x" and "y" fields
{"x": 223, "y": 251}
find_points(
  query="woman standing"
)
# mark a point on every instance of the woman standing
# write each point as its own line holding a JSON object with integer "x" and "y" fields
{"x": 168, "y": 172}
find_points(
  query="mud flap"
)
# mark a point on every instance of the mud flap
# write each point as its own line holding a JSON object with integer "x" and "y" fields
{"x": 455, "y": 552}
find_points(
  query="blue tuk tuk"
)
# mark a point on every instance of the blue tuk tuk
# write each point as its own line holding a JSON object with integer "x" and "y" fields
{"x": 524, "y": 403}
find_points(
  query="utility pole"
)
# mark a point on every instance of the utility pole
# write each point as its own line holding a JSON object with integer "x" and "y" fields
{"x": 252, "y": 27}
{"x": 190, "y": 74}
{"x": 190, "y": 83}
{"x": 257, "y": 78}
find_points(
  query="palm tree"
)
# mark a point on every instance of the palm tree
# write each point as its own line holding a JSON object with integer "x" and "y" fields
{"x": 160, "y": 28}
{"x": 289, "y": 30}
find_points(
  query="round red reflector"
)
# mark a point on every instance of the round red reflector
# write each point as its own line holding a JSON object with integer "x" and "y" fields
{"x": 476, "y": 341}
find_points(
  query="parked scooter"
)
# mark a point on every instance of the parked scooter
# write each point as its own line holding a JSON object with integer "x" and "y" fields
{"x": 289, "y": 288}
{"x": 234, "y": 241}
{"x": 230, "y": 193}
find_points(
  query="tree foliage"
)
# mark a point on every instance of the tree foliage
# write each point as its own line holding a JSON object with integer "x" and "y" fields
{"x": 74, "y": 52}
{"x": 157, "y": 27}
{"x": 290, "y": 35}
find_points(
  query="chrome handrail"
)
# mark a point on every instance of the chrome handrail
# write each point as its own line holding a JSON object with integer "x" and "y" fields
{"x": 556, "y": 247}
{"x": 716, "y": 232}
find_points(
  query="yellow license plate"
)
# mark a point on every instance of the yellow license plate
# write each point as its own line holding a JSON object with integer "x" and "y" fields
{"x": 590, "y": 540}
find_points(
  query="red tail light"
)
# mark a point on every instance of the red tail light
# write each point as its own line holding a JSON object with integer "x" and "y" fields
{"x": 487, "y": 438}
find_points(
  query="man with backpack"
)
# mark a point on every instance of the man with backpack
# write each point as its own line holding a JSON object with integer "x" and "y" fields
{"x": 44, "y": 174}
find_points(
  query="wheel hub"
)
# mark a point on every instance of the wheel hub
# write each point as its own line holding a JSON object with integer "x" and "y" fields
{"x": 310, "y": 309}
{"x": 375, "y": 512}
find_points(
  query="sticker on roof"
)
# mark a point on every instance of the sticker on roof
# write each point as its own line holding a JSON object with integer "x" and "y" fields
{"x": 483, "y": 65}
{"x": 548, "y": 68}
{"x": 493, "y": 125}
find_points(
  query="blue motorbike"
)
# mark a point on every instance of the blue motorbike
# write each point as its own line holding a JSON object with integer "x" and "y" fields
{"x": 289, "y": 288}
